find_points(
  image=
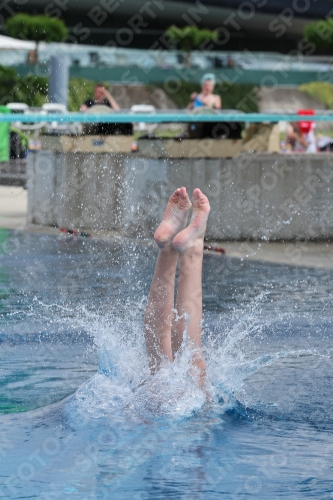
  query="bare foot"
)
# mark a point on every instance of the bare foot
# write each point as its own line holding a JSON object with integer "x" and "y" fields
{"x": 195, "y": 232}
{"x": 174, "y": 218}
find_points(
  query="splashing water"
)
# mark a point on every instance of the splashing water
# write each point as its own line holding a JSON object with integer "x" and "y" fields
{"x": 75, "y": 329}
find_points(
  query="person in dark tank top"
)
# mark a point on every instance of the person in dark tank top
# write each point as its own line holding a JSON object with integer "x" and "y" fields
{"x": 102, "y": 97}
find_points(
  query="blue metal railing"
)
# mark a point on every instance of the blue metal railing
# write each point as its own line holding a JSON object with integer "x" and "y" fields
{"x": 164, "y": 117}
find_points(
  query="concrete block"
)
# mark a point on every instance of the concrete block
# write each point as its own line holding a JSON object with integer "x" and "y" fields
{"x": 253, "y": 196}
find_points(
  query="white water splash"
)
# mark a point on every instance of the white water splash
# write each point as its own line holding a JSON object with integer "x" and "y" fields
{"x": 123, "y": 387}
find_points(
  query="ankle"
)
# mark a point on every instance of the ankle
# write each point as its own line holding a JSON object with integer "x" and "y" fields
{"x": 165, "y": 247}
{"x": 163, "y": 244}
{"x": 193, "y": 248}
{"x": 168, "y": 254}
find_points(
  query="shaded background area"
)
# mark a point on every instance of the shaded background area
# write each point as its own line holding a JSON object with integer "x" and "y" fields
{"x": 255, "y": 32}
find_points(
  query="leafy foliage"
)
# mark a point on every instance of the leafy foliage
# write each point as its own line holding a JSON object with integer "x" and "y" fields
{"x": 8, "y": 80}
{"x": 79, "y": 90}
{"x": 234, "y": 96}
{"x": 38, "y": 28}
{"x": 320, "y": 33}
{"x": 33, "y": 90}
{"x": 29, "y": 89}
{"x": 322, "y": 91}
{"x": 189, "y": 37}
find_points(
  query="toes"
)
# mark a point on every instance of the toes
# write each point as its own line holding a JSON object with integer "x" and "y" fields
{"x": 182, "y": 192}
{"x": 180, "y": 196}
{"x": 199, "y": 197}
{"x": 183, "y": 199}
{"x": 175, "y": 195}
{"x": 196, "y": 193}
{"x": 203, "y": 199}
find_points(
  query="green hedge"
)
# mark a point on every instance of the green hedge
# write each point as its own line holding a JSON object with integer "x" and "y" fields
{"x": 33, "y": 90}
{"x": 322, "y": 91}
{"x": 39, "y": 28}
{"x": 320, "y": 33}
{"x": 29, "y": 89}
{"x": 79, "y": 91}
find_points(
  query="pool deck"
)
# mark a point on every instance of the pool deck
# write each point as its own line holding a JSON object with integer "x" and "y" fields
{"x": 304, "y": 254}
{"x": 14, "y": 206}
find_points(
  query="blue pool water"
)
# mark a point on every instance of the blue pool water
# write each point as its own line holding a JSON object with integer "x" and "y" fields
{"x": 75, "y": 421}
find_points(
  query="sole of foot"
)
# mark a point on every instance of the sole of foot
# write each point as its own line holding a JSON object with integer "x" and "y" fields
{"x": 192, "y": 237}
{"x": 174, "y": 218}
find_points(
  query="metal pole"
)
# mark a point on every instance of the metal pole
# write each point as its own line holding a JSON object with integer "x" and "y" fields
{"x": 58, "y": 81}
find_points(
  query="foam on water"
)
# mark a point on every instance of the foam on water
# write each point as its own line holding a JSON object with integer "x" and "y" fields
{"x": 123, "y": 386}
{"x": 124, "y": 382}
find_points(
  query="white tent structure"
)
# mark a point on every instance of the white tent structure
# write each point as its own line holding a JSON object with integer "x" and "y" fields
{"x": 8, "y": 43}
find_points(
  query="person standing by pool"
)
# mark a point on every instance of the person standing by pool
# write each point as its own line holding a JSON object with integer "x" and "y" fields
{"x": 102, "y": 97}
{"x": 206, "y": 97}
{"x": 164, "y": 328}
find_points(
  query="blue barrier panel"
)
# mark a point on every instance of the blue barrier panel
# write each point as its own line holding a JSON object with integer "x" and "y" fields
{"x": 164, "y": 117}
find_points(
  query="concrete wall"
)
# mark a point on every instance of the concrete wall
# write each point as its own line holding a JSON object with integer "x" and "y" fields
{"x": 75, "y": 190}
{"x": 258, "y": 196}
{"x": 13, "y": 172}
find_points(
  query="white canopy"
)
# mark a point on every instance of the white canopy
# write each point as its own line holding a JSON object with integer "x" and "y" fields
{"x": 8, "y": 43}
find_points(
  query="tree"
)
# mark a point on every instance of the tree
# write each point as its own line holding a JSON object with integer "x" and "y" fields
{"x": 320, "y": 33}
{"x": 30, "y": 89}
{"x": 190, "y": 37}
{"x": 33, "y": 90}
{"x": 37, "y": 28}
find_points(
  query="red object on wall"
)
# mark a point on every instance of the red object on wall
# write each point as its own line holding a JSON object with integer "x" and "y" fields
{"x": 214, "y": 249}
{"x": 305, "y": 126}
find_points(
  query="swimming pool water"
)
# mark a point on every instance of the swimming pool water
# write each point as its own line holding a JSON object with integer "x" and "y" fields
{"x": 75, "y": 421}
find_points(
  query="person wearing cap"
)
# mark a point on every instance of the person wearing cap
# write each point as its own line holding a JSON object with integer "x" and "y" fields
{"x": 307, "y": 128}
{"x": 206, "y": 97}
{"x": 300, "y": 135}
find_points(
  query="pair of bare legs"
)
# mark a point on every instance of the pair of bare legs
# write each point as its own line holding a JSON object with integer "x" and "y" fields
{"x": 165, "y": 324}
